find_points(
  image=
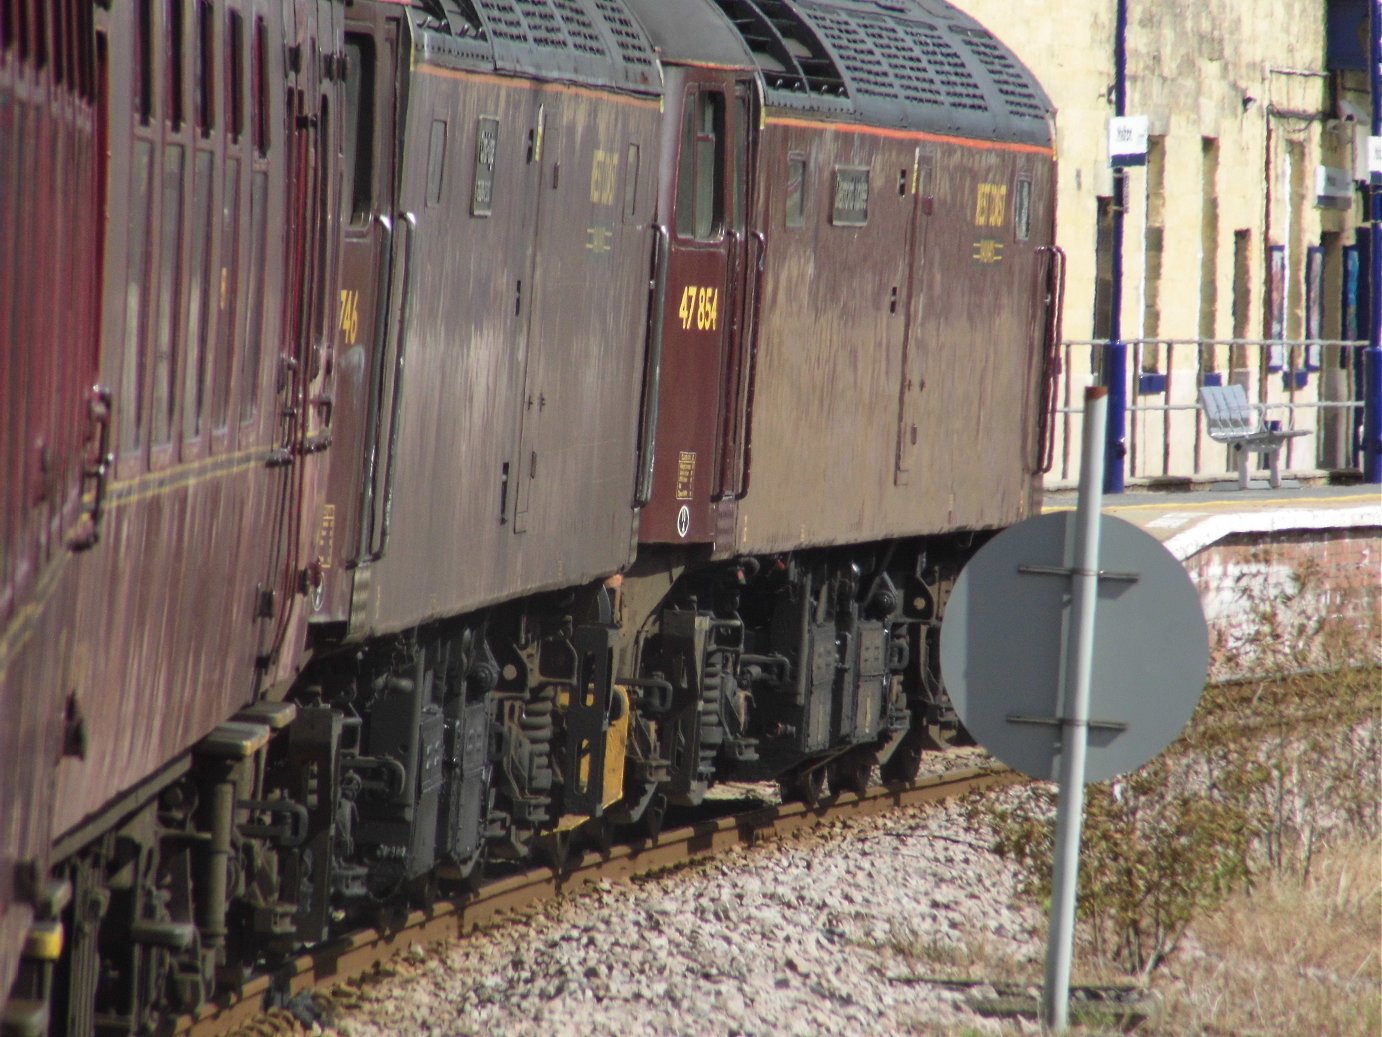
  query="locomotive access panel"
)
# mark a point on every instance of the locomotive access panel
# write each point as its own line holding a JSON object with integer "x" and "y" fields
{"x": 830, "y": 353}
{"x": 523, "y": 336}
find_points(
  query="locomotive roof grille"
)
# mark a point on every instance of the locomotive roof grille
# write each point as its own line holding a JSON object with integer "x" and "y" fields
{"x": 917, "y": 63}
{"x": 790, "y": 55}
{"x": 592, "y": 41}
{"x": 632, "y": 46}
{"x": 1011, "y": 83}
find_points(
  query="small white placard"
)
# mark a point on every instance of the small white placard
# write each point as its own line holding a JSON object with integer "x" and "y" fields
{"x": 1127, "y": 140}
{"x": 1375, "y": 155}
{"x": 1333, "y": 188}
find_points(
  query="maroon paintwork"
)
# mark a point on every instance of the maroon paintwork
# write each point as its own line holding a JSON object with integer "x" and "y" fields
{"x": 887, "y": 402}
{"x": 498, "y": 407}
{"x": 49, "y": 265}
{"x": 708, "y": 292}
{"x": 375, "y": 386}
{"x": 214, "y": 336}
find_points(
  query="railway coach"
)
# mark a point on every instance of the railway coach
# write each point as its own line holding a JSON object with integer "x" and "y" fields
{"x": 472, "y": 426}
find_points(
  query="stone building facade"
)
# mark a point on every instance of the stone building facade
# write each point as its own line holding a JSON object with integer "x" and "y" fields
{"x": 1242, "y": 225}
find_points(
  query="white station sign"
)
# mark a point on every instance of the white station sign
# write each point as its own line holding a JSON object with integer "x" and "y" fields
{"x": 1127, "y": 140}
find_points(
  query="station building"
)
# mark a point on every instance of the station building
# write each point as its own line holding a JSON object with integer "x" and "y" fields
{"x": 1245, "y": 254}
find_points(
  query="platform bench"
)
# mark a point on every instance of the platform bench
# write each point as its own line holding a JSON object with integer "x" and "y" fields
{"x": 1231, "y": 419}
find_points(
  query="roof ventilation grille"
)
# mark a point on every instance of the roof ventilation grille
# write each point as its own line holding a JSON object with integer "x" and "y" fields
{"x": 946, "y": 64}
{"x": 789, "y": 54}
{"x": 1016, "y": 91}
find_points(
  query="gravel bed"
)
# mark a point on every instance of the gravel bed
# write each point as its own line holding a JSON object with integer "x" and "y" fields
{"x": 853, "y": 929}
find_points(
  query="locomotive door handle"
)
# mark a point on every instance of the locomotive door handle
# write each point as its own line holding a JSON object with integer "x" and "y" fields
{"x": 96, "y": 473}
{"x": 749, "y": 366}
{"x": 400, "y": 338}
{"x": 647, "y": 446}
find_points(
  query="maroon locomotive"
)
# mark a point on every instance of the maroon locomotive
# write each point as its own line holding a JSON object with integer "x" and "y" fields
{"x": 438, "y": 431}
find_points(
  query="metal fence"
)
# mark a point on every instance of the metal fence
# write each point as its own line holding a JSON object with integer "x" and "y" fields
{"x": 1313, "y": 384}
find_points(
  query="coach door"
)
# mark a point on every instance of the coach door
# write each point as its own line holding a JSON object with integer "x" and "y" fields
{"x": 354, "y": 528}
{"x": 699, "y": 357}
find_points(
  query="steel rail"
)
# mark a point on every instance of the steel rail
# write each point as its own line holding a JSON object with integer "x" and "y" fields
{"x": 354, "y": 955}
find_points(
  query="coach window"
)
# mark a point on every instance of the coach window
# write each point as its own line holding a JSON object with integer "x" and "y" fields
{"x": 131, "y": 409}
{"x": 700, "y": 177}
{"x": 206, "y": 69}
{"x": 235, "y": 74}
{"x": 254, "y": 341}
{"x": 165, "y": 339}
{"x": 176, "y": 43}
{"x": 145, "y": 61}
{"x": 259, "y": 85}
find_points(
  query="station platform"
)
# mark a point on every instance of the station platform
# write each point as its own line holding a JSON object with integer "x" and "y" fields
{"x": 1288, "y": 577}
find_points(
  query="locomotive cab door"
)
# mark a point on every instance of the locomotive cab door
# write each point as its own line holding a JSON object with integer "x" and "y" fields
{"x": 700, "y": 354}
{"x": 351, "y": 529}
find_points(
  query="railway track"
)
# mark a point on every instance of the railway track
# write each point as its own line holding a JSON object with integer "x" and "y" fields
{"x": 354, "y": 955}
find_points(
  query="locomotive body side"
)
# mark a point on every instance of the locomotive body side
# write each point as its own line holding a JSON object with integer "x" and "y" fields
{"x": 504, "y": 446}
{"x": 49, "y": 267}
{"x": 897, "y": 352}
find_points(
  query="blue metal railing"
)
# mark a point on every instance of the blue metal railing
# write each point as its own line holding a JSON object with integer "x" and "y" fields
{"x": 1314, "y": 382}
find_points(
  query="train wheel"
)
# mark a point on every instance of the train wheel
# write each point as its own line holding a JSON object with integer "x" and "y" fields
{"x": 905, "y": 763}
{"x": 654, "y": 815}
{"x": 851, "y": 773}
{"x": 804, "y": 786}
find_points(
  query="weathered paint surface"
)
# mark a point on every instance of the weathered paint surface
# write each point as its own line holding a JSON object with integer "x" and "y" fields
{"x": 890, "y": 451}
{"x": 523, "y": 349}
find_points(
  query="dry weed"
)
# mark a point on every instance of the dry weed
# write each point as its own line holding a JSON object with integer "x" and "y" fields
{"x": 1299, "y": 954}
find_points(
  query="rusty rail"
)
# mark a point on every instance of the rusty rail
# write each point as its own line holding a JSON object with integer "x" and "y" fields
{"x": 356, "y": 954}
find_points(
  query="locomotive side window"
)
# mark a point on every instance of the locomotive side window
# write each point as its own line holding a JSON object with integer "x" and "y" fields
{"x": 1022, "y": 210}
{"x": 436, "y": 161}
{"x": 357, "y": 190}
{"x": 700, "y": 176}
{"x": 631, "y": 185}
{"x": 796, "y": 190}
{"x": 741, "y": 160}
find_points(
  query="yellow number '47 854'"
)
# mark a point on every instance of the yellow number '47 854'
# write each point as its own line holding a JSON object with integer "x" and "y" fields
{"x": 700, "y": 306}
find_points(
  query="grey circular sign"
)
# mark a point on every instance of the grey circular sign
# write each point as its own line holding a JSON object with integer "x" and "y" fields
{"x": 1003, "y": 647}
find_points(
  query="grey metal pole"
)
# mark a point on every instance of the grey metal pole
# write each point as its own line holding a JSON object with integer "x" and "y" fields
{"x": 1079, "y": 655}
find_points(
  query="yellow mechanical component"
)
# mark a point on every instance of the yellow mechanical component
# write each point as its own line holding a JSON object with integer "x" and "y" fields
{"x": 616, "y": 744}
{"x": 234, "y": 740}
{"x": 44, "y": 942}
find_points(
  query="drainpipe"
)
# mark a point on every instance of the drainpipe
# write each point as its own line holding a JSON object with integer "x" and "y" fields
{"x": 1372, "y": 359}
{"x": 1116, "y": 352}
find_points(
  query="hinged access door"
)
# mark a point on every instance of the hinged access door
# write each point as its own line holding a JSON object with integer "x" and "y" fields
{"x": 374, "y": 242}
{"x": 700, "y": 357}
{"x": 916, "y": 340}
